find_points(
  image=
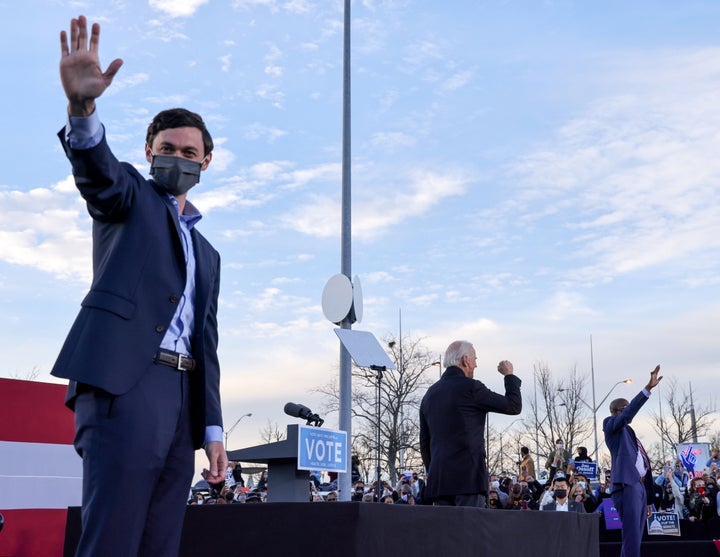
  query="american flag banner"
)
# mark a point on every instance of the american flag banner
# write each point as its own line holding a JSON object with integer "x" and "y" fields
{"x": 40, "y": 472}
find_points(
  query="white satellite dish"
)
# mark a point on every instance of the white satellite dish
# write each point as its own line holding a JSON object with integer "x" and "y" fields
{"x": 337, "y": 298}
{"x": 357, "y": 299}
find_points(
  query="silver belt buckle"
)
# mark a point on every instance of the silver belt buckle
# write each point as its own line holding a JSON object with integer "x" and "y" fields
{"x": 179, "y": 362}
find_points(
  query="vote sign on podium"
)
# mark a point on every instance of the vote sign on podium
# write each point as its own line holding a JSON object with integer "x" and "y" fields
{"x": 322, "y": 449}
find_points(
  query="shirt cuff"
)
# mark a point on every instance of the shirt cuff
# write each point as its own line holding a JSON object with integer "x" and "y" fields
{"x": 213, "y": 433}
{"x": 646, "y": 392}
{"x": 83, "y": 132}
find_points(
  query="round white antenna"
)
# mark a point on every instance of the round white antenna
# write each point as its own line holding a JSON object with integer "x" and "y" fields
{"x": 337, "y": 298}
{"x": 357, "y": 299}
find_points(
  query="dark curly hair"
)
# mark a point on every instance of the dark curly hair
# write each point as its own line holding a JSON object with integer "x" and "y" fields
{"x": 178, "y": 118}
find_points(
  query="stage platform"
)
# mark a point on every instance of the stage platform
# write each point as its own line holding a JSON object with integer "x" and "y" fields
{"x": 697, "y": 540}
{"x": 362, "y": 529}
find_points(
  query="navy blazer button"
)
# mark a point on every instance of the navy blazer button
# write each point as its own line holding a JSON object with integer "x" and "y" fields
{"x": 174, "y": 299}
{"x": 159, "y": 328}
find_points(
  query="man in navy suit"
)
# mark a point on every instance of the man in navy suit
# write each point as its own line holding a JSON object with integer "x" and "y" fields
{"x": 561, "y": 502}
{"x": 631, "y": 474}
{"x": 141, "y": 355}
{"x": 452, "y": 428}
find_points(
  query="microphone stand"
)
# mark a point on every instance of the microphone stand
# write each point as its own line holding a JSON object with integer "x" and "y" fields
{"x": 378, "y": 381}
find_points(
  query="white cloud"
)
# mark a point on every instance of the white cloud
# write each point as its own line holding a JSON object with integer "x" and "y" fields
{"x": 392, "y": 140}
{"x": 270, "y": 93}
{"x": 290, "y": 6}
{"x": 635, "y": 177}
{"x": 566, "y": 305}
{"x": 375, "y": 212}
{"x": 457, "y": 81}
{"x": 47, "y": 229}
{"x": 299, "y": 6}
{"x": 260, "y": 131}
{"x": 177, "y": 8}
{"x": 225, "y": 62}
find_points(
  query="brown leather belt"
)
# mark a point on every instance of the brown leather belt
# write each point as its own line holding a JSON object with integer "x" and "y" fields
{"x": 175, "y": 359}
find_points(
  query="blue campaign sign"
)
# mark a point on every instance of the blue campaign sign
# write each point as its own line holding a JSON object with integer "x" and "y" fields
{"x": 322, "y": 449}
{"x": 663, "y": 524}
{"x": 612, "y": 518}
{"x": 588, "y": 469}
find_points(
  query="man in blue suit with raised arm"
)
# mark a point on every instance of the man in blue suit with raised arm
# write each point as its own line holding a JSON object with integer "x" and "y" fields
{"x": 632, "y": 483}
{"x": 141, "y": 355}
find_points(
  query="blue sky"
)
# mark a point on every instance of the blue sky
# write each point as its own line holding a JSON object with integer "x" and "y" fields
{"x": 525, "y": 175}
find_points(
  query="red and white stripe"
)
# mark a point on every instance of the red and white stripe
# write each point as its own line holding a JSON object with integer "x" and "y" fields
{"x": 40, "y": 472}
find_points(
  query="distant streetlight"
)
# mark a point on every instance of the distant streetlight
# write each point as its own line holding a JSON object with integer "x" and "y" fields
{"x": 229, "y": 431}
{"x": 439, "y": 364}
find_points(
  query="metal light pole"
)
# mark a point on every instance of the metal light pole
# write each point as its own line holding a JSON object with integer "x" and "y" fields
{"x": 537, "y": 425}
{"x": 595, "y": 406}
{"x": 229, "y": 431}
{"x": 345, "y": 414}
{"x": 662, "y": 426}
{"x": 693, "y": 422}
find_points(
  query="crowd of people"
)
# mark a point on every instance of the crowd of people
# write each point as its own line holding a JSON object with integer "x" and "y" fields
{"x": 562, "y": 489}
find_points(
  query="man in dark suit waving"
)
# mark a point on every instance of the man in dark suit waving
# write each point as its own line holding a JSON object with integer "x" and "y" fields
{"x": 142, "y": 354}
{"x": 631, "y": 474}
{"x": 452, "y": 428}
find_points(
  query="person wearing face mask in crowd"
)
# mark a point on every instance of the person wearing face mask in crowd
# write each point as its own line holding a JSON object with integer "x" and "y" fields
{"x": 494, "y": 500}
{"x": 698, "y": 504}
{"x": 580, "y": 486}
{"x": 496, "y": 487}
{"x": 141, "y": 356}
{"x": 562, "y": 502}
{"x": 558, "y": 460}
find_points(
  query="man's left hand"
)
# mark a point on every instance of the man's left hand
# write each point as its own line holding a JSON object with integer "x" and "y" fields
{"x": 654, "y": 379}
{"x": 218, "y": 461}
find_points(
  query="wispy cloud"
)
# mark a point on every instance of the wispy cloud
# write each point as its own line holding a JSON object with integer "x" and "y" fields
{"x": 261, "y": 131}
{"x": 636, "y": 176}
{"x": 47, "y": 229}
{"x": 410, "y": 195}
{"x": 177, "y": 8}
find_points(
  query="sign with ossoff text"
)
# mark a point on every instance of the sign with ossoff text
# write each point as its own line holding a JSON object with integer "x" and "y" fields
{"x": 322, "y": 449}
{"x": 588, "y": 469}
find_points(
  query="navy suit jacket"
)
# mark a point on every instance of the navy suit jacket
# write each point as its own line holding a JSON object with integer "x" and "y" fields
{"x": 573, "y": 507}
{"x": 139, "y": 275}
{"x": 452, "y": 431}
{"x": 622, "y": 443}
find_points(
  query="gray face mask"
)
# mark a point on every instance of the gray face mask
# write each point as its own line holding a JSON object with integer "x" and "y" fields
{"x": 176, "y": 175}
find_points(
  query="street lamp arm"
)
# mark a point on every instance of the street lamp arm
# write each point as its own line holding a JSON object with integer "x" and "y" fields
{"x": 229, "y": 431}
{"x": 627, "y": 381}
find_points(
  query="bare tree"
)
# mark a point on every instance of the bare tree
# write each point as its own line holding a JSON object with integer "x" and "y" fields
{"x": 681, "y": 419}
{"x": 400, "y": 393}
{"x": 31, "y": 375}
{"x": 272, "y": 433}
{"x": 558, "y": 412}
{"x": 503, "y": 447}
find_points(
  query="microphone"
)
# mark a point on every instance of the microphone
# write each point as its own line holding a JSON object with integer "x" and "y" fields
{"x": 300, "y": 411}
